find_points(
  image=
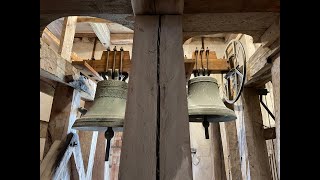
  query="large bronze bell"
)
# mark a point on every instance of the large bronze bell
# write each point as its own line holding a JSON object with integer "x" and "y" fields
{"x": 108, "y": 108}
{"x": 204, "y": 101}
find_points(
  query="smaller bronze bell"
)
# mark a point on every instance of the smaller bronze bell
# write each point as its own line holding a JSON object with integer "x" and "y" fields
{"x": 108, "y": 108}
{"x": 204, "y": 101}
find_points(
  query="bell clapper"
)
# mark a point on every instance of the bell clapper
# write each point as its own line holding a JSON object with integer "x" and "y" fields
{"x": 206, "y": 124}
{"x": 108, "y": 135}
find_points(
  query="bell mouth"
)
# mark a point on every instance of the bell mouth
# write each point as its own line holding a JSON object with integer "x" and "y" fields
{"x": 213, "y": 114}
{"x": 98, "y": 124}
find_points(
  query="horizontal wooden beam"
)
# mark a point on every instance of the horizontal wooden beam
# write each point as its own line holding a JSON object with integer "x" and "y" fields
{"x": 54, "y": 67}
{"x": 269, "y": 133}
{"x": 260, "y": 63}
{"x": 87, "y": 70}
{"x": 92, "y": 20}
{"x": 115, "y": 38}
{"x": 103, "y": 33}
{"x": 271, "y": 34}
{"x": 100, "y": 65}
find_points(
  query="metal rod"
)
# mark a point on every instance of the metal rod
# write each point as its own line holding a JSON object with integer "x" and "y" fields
{"x": 94, "y": 48}
{"x": 269, "y": 112}
{"x": 201, "y": 53}
{"x": 207, "y": 56}
{"x": 121, "y": 59}
{"x": 114, "y": 61}
{"x": 196, "y": 55}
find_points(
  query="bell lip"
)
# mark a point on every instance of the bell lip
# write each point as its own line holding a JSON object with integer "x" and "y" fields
{"x": 223, "y": 115}
{"x": 202, "y": 79}
{"x": 99, "y": 124}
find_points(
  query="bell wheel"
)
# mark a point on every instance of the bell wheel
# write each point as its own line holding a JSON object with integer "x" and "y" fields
{"x": 233, "y": 81}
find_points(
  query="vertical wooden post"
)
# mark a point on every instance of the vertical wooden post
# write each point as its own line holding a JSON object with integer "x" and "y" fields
{"x": 63, "y": 113}
{"x": 156, "y": 142}
{"x": 175, "y": 152}
{"x": 98, "y": 170}
{"x": 231, "y": 150}
{"x": 138, "y": 159}
{"x": 275, "y": 71}
{"x": 218, "y": 160}
{"x": 253, "y": 149}
{"x": 67, "y": 36}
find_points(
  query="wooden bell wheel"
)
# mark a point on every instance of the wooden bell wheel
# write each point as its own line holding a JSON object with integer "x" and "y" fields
{"x": 233, "y": 81}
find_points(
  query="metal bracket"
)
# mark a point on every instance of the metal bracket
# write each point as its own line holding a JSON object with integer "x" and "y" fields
{"x": 262, "y": 92}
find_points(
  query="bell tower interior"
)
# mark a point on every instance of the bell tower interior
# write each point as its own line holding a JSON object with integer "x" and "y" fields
{"x": 154, "y": 90}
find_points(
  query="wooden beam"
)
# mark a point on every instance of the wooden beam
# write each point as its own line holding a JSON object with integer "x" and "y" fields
{"x": 43, "y": 129}
{"x": 269, "y": 133}
{"x": 92, "y": 20}
{"x": 51, "y": 40}
{"x": 253, "y": 149}
{"x": 115, "y": 152}
{"x": 63, "y": 113}
{"x": 219, "y": 172}
{"x": 103, "y": 33}
{"x": 67, "y": 36}
{"x": 259, "y": 65}
{"x": 100, "y": 65}
{"x": 98, "y": 170}
{"x": 271, "y": 34}
{"x": 231, "y": 150}
{"x": 275, "y": 71}
{"x": 141, "y": 7}
{"x": 47, "y": 86}
{"x": 138, "y": 159}
{"x": 174, "y": 153}
{"x": 56, "y": 68}
{"x": 87, "y": 70}
{"x": 115, "y": 38}
{"x": 47, "y": 163}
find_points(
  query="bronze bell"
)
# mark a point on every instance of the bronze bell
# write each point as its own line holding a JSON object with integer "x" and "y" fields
{"x": 108, "y": 108}
{"x": 204, "y": 101}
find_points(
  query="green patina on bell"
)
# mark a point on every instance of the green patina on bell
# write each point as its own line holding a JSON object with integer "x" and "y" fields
{"x": 204, "y": 101}
{"x": 108, "y": 108}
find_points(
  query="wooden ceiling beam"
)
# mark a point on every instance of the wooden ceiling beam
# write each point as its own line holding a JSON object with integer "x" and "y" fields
{"x": 92, "y": 20}
{"x": 103, "y": 33}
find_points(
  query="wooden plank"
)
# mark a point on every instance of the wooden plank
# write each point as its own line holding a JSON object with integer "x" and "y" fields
{"x": 115, "y": 153}
{"x": 219, "y": 172}
{"x": 215, "y": 65}
{"x": 55, "y": 68}
{"x": 257, "y": 156}
{"x": 45, "y": 106}
{"x": 141, "y": 7}
{"x": 100, "y": 65}
{"x": 269, "y": 133}
{"x": 42, "y": 143}
{"x": 67, "y": 36}
{"x": 271, "y": 34}
{"x": 259, "y": 65}
{"x": 103, "y": 33}
{"x": 174, "y": 153}
{"x": 63, "y": 113}
{"x": 47, "y": 86}
{"x": 49, "y": 160}
{"x": 231, "y": 150}
{"x": 54, "y": 43}
{"x": 98, "y": 170}
{"x": 138, "y": 154}
{"x": 92, "y": 20}
{"x": 87, "y": 70}
{"x": 275, "y": 71}
{"x": 43, "y": 129}
{"x": 119, "y": 39}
